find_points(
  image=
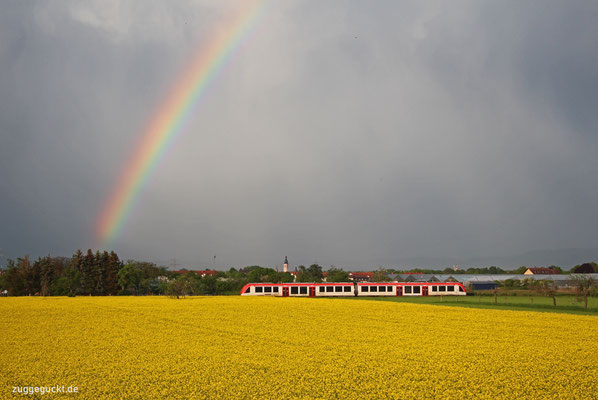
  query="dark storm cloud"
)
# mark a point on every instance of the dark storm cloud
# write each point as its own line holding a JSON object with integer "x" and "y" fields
{"x": 341, "y": 133}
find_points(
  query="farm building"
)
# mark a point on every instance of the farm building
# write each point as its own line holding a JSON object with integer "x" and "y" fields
{"x": 361, "y": 276}
{"x": 540, "y": 271}
{"x": 481, "y": 285}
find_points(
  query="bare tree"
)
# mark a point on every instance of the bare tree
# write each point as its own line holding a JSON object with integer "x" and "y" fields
{"x": 584, "y": 286}
{"x": 180, "y": 287}
{"x": 547, "y": 288}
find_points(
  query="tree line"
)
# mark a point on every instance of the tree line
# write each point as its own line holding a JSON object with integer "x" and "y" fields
{"x": 104, "y": 274}
{"x": 233, "y": 280}
{"x": 82, "y": 274}
{"x": 589, "y": 267}
{"x": 493, "y": 270}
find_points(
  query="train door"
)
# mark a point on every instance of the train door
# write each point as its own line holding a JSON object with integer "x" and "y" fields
{"x": 424, "y": 291}
{"x": 399, "y": 290}
{"x": 312, "y": 291}
{"x": 285, "y": 291}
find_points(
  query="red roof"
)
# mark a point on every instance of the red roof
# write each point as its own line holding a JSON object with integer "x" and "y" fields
{"x": 182, "y": 271}
{"x": 199, "y": 272}
{"x": 361, "y": 274}
{"x": 543, "y": 271}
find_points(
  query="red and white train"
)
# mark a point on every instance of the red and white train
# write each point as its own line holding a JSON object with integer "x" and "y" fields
{"x": 344, "y": 289}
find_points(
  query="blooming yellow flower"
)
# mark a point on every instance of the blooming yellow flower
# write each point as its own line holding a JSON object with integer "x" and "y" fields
{"x": 265, "y": 347}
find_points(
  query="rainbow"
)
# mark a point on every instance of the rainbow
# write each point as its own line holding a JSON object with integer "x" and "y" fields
{"x": 171, "y": 117}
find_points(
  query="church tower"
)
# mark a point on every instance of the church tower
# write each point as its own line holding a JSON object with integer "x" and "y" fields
{"x": 285, "y": 267}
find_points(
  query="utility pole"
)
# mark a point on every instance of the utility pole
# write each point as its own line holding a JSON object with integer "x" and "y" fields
{"x": 214, "y": 264}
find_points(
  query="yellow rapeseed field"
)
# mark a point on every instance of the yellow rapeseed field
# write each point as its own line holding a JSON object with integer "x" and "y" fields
{"x": 262, "y": 348}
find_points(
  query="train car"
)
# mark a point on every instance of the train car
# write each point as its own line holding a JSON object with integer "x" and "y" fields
{"x": 344, "y": 289}
{"x": 410, "y": 289}
{"x": 376, "y": 289}
{"x": 446, "y": 289}
{"x": 341, "y": 289}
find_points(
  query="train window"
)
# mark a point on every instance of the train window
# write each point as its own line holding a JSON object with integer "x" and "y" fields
{"x": 416, "y": 289}
{"x": 275, "y": 289}
{"x": 373, "y": 288}
{"x": 450, "y": 288}
{"x": 382, "y": 288}
{"x": 407, "y": 289}
{"x": 365, "y": 289}
{"x": 259, "y": 289}
{"x": 248, "y": 289}
{"x": 294, "y": 290}
{"x": 321, "y": 289}
{"x": 329, "y": 289}
{"x": 460, "y": 289}
{"x": 303, "y": 290}
{"x": 442, "y": 288}
{"x": 347, "y": 288}
{"x": 268, "y": 289}
{"x": 434, "y": 288}
{"x": 338, "y": 289}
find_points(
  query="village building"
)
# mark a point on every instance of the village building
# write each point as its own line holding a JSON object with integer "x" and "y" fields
{"x": 361, "y": 276}
{"x": 540, "y": 271}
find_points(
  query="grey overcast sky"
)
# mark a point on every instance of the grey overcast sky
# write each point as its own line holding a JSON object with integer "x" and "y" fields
{"x": 350, "y": 133}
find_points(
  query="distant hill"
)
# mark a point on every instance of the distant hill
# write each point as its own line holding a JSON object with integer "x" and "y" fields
{"x": 564, "y": 258}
